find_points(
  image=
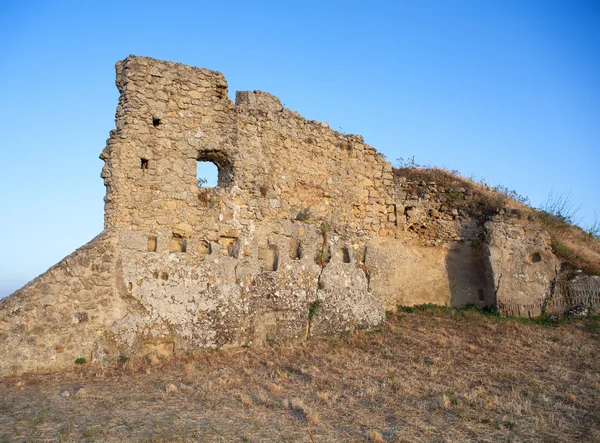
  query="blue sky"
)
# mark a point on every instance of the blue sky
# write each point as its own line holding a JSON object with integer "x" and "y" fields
{"x": 507, "y": 91}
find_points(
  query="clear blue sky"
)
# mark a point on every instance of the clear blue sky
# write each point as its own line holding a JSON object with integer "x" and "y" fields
{"x": 508, "y": 91}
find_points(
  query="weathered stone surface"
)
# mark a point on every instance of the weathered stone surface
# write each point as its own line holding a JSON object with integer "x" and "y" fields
{"x": 523, "y": 266}
{"x": 403, "y": 273}
{"x": 306, "y": 233}
{"x": 582, "y": 294}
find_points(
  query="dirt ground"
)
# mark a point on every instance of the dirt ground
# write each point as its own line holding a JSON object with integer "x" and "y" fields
{"x": 430, "y": 375}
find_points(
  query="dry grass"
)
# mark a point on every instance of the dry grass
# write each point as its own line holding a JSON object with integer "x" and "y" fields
{"x": 577, "y": 248}
{"x": 431, "y": 375}
{"x": 486, "y": 200}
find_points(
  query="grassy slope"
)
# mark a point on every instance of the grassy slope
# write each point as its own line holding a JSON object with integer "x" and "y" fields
{"x": 577, "y": 248}
{"x": 429, "y": 375}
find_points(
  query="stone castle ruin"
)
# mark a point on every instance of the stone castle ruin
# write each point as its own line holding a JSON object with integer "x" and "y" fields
{"x": 307, "y": 232}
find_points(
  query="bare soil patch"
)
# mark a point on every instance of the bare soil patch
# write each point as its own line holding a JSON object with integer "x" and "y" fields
{"x": 429, "y": 375}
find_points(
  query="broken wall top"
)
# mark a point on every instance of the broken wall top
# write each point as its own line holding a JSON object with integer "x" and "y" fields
{"x": 273, "y": 164}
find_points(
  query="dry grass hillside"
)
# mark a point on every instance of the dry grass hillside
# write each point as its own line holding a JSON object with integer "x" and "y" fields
{"x": 580, "y": 250}
{"x": 430, "y": 374}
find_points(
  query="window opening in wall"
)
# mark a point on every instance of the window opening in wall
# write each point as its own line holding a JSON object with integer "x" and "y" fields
{"x": 152, "y": 243}
{"x": 155, "y": 122}
{"x": 269, "y": 255}
{"x": 295, "y": 249}
{"x": 207, "y": 174}
{"x": 229, "y": 246}
{"x": 480, "y": 295}
{"x": 144, "y": 163}
{"x": 214, "y": 169}
{"x": 177, "y": 244}
{"x": 204, "y": 247}
{"x": 345, "y": 254}
{"x": 236, "y": 247}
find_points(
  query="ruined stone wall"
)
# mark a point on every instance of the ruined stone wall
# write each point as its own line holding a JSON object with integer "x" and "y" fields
{"x": 65, "y": 313}
{"x": 522, "y": 263}
{"x": 306, "y": 233}
{"x": 580, "y": 294}
{"x": 172, "y": 115}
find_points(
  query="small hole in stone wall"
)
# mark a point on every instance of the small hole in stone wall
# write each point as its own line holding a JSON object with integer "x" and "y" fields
{"x": 480, "y": 295}
{"x": 295, "y": 249}
{"x": 152, "y": 243}
{"x": 229, "y": 245}
{"x": 536, "y": 258}
{"x": 164, "y": 276}
{"x": 178, "y": 243}
{"x": 323, "y": 256}
{"x": 269, "y": 255}
{"x": 204, "y": 247}
{"x": 345, "y": 252}
{"x": 234, "y": 250}
{"x": 221, "y": 91}
{"x": 155, "y": 122}
{"x": 130, "y": 286}
{"x": 144, "y": 163}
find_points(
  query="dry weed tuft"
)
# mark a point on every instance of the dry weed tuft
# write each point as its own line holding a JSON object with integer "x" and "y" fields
{"x": 374, "y": 436}
{"x": 274, "y": 388}
{"x": 261, "y": 398}
{"x": 297, "y": 404}
{"x": 323, "y": 397}
{"x": 153, "y": 360}
{"x": 190, "y": 369}
{"x": 246, "y": 400}
{"x": 445, "y": 402}
{"x": 312, "y": 418}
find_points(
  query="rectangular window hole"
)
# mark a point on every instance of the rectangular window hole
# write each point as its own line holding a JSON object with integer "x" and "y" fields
{"x": 155, "y": 122}
{"x": 144, "y": 163}
{"x": 269, "y": 255}
{"x": 178, "y": 243}
{"x": 204, "y": 247}
{"x": 295, "y": 249}
{"x": 230, "y": 246}
{"x": 152, "y": 243}
{"x": 345, "y": 253}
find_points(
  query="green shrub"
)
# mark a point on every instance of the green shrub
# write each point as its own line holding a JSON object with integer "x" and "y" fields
{"x": 314, "y": 309}
{"x": 561, "y": 249}
{"x": 304, "y": 214}
{"x": 407, "y": 309}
